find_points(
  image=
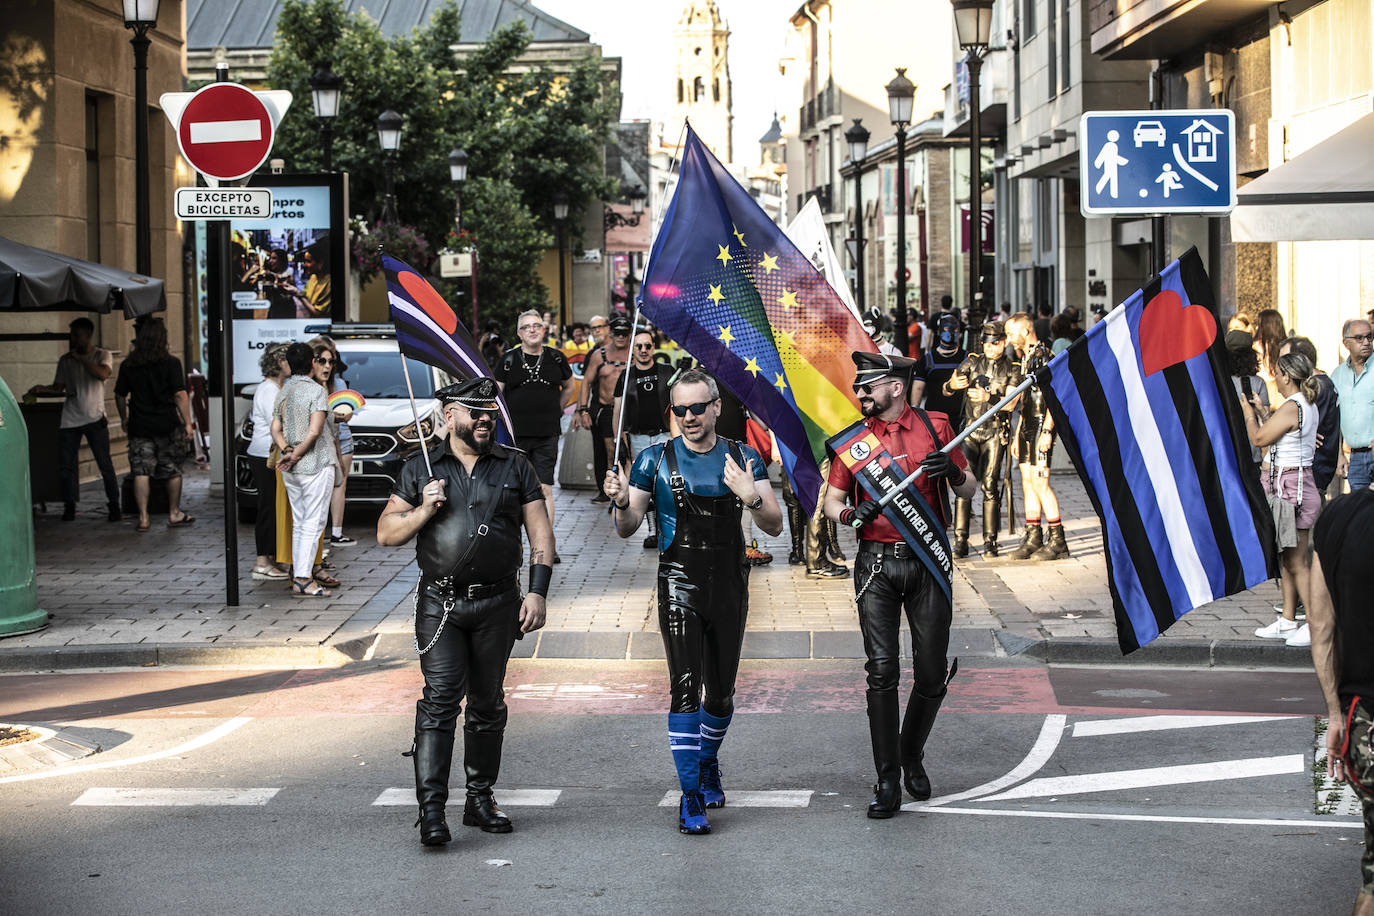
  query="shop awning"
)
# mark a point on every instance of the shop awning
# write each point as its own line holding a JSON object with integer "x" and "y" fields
{"x": 1324, "y": 193}
{"x": 32, "y": 279}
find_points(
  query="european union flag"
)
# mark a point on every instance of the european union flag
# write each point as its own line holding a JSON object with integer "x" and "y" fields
{"x": 726, "y": 283}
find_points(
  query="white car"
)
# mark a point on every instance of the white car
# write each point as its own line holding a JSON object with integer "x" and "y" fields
{"x": 1149, "y": 132}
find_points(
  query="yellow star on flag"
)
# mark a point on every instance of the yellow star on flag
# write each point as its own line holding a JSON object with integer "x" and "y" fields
{"x": 715, "y": 295}
{"x": 769, "y": 263}
{"x": 780, "y": 384}
{"x": 725, "y": 336}
{"x": 788, "y": 299}
{"x": 725, "y": 257}
{"x": 739, "y": 235}
{"x": 752, "y": 367}
{"x": 786, "y": 337}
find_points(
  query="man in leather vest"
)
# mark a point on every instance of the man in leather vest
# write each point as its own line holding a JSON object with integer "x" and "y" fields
{"x": 888, "y": 577}
{"x": 701, "y": 483}
{"x": 986, "y": 377}
{"x": 466, "y": 519}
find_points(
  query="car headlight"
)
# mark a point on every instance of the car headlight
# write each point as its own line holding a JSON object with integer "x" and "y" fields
{"x": 409, "y": 434}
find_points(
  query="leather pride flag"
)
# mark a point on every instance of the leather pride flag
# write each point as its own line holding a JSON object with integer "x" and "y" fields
{"x": 1145, "y": 407}
{"x": 859, "y": 450}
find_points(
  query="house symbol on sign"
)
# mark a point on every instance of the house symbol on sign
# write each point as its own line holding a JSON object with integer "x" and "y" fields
{"x": 1202, "y": 141}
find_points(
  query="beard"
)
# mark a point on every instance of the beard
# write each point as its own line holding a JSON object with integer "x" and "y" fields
{"x": 469, "y": 436}
{"x": 869, "y": 407}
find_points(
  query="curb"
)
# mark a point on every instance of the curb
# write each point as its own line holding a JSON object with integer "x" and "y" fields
{"x": 66, "y": 658}
{"x": 1214, "y": 653}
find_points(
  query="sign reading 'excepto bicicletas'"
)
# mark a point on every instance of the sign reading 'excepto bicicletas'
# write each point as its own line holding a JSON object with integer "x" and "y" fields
{"x": 224, "y": 203}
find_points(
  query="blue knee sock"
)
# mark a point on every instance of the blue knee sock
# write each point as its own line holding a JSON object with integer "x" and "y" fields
{"x": 712, "y": 733}
{"x": 684, "y": 739}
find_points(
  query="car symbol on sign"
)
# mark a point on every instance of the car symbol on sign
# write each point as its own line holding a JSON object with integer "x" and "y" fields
{"x": 1147, "y": 131}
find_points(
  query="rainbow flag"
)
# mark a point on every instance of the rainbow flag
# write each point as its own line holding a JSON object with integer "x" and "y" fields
{"x": 726, "y": 283}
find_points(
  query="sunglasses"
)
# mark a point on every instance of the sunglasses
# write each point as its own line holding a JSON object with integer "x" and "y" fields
{"x": 868, "y": 388}
{"x": 531, "y": 327}
{"x": 476, "y": 412}
{"x": 697, "y": 409}
{"x": 324, "y": 360}
{"x": 644, "y": 346}
{"x": 596, "y": 327}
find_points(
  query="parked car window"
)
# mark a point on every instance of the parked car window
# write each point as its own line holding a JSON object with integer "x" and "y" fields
{"x": 377, "y": 374}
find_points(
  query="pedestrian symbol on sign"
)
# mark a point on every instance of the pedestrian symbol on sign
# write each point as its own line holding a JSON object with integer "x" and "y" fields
{"x": 1109, "y": 160}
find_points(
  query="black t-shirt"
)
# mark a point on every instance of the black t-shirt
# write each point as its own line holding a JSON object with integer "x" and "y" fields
{"x": 1328, "y": 431}
{"x": 732, "y": 420}
{"x": 647, "y": 406}
{"x": 534, "y": 386}
{"x": 935, "y": 369}
{"x": 441, "y": 542}
{"x": 151, "y": 389}
{"x": 1342, "y": 536}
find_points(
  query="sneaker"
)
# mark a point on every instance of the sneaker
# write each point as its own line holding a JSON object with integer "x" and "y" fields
{"x": 1281, "y": 628}
{"x": 601, "y": 498}
{"x": 711, "y": 790}
{"x": 651, "y": 542}
{"x": 755, "y": 557}
{"x": 691, "y": 817}
{"x": 342, "y": 540}
{"x": 1302, "y": 636}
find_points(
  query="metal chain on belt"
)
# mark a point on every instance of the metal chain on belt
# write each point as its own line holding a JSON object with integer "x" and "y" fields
{"x": 449, "y": 604}
{"x": 876, "y": 568}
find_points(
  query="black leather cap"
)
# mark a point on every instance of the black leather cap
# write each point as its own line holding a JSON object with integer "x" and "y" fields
{"x": 475, "y": 392}
{"x": 869, "y": 367}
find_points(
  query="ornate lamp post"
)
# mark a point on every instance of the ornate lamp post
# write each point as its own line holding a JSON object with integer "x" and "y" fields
{"x": 141, "y": 16}
{"x": 324, "y": 96}
{"x": 458, "y": 174}
{"x": 973, "y": 22}
{"x": 901, "y": 92}
{"x": 560, "y": 216}
{"x": 389, "y": 125}
{"x": 857, "y": 137}
{"x": 611, "y": 219}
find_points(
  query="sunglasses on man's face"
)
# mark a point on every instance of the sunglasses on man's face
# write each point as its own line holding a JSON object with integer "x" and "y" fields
{"x": 531, "y": 327}
{"x": 868, "y": 388}
{"x": 644, "y": 346}
{"x": 697, "y": 409}
{"x": 597, "y": 327}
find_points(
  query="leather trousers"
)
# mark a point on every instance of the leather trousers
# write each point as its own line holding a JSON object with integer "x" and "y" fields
{"x": 703, "y": 603}
{"x": 467, "y": 662}
{"x": 986, "y": 458}
{"x": 902, "y": 584}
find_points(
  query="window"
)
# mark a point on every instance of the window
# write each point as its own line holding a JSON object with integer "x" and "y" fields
{"x": 92, "y": 177}
{"x": 1065, "y": 46}
{"x": 1028, "y": 18}
{"x": 679, "y": 91}
{"x": 1052, "y": 56}
{"x": 715, "y": 90}
{"x": 698, "y": 89}
{"x": 697, "y": 51}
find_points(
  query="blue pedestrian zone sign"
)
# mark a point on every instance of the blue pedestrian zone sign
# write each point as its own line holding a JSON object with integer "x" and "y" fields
{"x": 1155, "y": 161}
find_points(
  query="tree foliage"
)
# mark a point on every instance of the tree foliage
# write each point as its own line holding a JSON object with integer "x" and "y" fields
{"x": 528, "y": 133}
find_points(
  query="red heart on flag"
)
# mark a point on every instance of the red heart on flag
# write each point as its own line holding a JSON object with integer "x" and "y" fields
{"x": 1171, "y": 332}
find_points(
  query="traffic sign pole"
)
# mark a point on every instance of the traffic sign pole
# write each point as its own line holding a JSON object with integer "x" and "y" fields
{"x": 218, "y": 239}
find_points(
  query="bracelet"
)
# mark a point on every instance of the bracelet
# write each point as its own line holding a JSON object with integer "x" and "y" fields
{"x": 541, "y": 574}
{"x": 619, "y": 506}
{"x": 584, "y": 410}
{"x": 846, "y": 516}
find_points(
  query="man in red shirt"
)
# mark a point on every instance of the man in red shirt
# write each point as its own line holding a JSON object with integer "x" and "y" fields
{"x": 888, "y": 576}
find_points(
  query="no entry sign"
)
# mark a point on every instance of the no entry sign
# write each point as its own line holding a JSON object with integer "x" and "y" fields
{"x": 225, "y": 130}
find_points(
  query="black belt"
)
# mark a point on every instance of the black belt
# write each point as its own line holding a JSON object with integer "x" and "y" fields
{"x": 471, "y": 591}
{"x": 1354, "y": 451}
{"x": 900, "y": 549}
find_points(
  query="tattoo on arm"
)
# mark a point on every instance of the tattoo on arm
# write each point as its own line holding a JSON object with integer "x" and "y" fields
{"x": 537, "y": 557}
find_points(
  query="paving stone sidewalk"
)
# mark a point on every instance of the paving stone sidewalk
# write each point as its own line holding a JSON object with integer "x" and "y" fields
{"x": 106, "y": 586}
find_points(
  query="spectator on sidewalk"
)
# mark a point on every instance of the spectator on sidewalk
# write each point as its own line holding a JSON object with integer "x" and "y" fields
{"x": 343, "y": 436}
{"x": 308, "y": 460}
{"x": 1356, "y": 391}
{"x": 274, "y": 369}
{"x": 157, "y": 417}
{"x": 1328, "y": 415}
{"x": 80, "y": 377}
{"x": 647, "y": 418}
{"x": 1290, "y": 436}
{"x": 1250, "y": 388}
{"x": 1269, "y": 334}
{"x": 1343, "y": 655}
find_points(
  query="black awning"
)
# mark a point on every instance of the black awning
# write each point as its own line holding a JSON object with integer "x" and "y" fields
{"x": 33, "y": 279}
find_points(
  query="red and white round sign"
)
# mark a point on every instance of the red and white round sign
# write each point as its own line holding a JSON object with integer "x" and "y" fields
{"x": 225, "y": 131}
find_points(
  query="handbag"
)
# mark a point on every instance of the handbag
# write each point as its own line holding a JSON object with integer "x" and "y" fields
{"x": 273, "y": 456}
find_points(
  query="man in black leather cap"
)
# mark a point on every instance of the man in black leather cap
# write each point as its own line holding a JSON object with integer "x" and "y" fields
{"x": 985, "y": 378}
{"x": 466, "y": 517}
{"x": 889, "y": 577}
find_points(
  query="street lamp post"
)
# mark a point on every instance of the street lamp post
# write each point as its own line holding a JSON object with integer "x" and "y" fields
{"x": 901, "y": 92}
{"x": 972, "y": 23}
{"x": 324, "y": 95}
{"x": 389, "y": 125}
{"x": 141, "y": 16}
{"x": 458, "y": 173}
{"x": 560, "y": 216}
{"x": 857, "y": 136}
{"x": 611, "y": 219}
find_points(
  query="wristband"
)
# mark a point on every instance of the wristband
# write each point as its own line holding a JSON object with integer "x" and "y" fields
{"x": 541, "y": 574}
{"x": 847, "y": 516}
{"x": 584, "y": 410}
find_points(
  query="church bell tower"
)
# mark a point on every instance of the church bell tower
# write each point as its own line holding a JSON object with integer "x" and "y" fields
{"x": 702, "y": 39}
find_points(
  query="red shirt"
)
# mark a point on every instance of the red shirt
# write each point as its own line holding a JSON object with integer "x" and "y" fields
{"x": 907, "y": 441}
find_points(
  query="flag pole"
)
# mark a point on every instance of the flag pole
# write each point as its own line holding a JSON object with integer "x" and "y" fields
{"x": 415, "y": 412}
{"x": 620, "y": 418}
{"x": 996, "y": 408}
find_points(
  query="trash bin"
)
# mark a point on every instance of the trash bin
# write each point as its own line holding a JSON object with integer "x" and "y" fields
{"x": 19, "y": 611}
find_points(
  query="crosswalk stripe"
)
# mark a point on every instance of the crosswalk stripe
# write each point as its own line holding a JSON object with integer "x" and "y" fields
{"x": 1097, "y": 727}
{"x": 1154, "y": 776}
{"x": 746, "y": 798}
{"x": 506, "y": 798}
{"x": 129, "y": 797}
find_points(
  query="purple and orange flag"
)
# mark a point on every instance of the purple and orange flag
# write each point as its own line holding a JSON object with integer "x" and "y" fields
{"x": 727, "y": 284}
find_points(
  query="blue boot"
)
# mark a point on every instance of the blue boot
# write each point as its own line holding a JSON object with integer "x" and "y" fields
{"x": 691, "y": 818}
{"x": 713, "y": 730}
{"x": 684, "y": 739}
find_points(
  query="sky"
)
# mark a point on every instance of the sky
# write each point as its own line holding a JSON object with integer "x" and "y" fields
{"x": 641, "y": 34}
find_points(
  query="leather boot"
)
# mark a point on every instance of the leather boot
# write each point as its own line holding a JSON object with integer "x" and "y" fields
{"x": 963, "y": 511}
{"x": 832, "y": 531}
{"x": 482, "y": 763}
{"x": 1031, "y": 541}
{"x": 885, "y": 735}
{"x": 992, "y": 520}
{"x": 1055, "y": 547}
{"x": 822, "y": 568}
{"x": 432, "y": 754}
{"x": 796, "y": 527}
{"x": 916, "y": 724}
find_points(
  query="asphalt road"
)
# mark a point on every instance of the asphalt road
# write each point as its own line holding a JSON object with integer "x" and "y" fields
{"x": 1065, "y": 790}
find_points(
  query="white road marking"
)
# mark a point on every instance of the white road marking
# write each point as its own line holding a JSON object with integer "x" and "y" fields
{"x": 1154, "y": 776}
{"x": 1097, "y": 727}
{"x": 115, "y": 797}
{"x": 745, "y": 798}
{"x": 213, "y": 735}
{"x": 1040, "y": 754}
{"x": 506, "y": 798}
{"x": 226, "y": 131}
{"x": 1151, "y": 818}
